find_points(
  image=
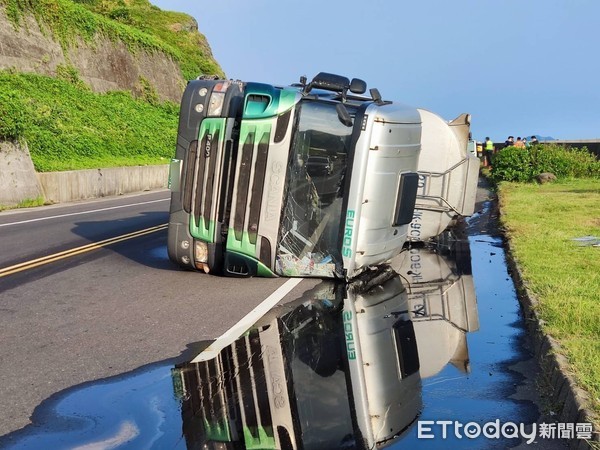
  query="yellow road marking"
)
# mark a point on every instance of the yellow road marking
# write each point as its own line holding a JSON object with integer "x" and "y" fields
{"x": 76, "y": 251}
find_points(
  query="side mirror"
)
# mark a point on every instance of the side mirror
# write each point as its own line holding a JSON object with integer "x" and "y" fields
{"x": 358, "y": 86}
{"x": 344, "y": 115}
{"x": 330, "y": 82}
{"x": 375, "y": 95}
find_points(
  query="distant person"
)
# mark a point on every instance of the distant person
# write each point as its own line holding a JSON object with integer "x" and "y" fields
{"x": 534, "y": 140}
{"x": 509, "y": 142}
{"x": 519, "y": 143}
{"x": 489, "y": 152}
{"x": 526, "y": 142}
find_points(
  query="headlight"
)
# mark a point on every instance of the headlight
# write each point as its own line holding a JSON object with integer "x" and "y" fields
{"x": 200, "y": 251}
{"x": 216, "y": 103}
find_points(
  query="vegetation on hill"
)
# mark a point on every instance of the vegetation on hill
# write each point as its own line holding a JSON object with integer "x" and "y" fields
{"x": 176, "y": 29}
{"x": 65, "y": 124}
{"x": 136, "y": 23}
{"x": 69, "y": 127}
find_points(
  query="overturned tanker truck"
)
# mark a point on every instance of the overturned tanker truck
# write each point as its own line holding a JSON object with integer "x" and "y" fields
{"x": 315, "y": 179}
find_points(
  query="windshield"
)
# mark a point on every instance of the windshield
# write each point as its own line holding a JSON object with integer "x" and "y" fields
{"x": 310, "y": 230}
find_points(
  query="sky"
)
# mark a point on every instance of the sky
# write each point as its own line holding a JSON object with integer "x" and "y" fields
{"x": 519, "y": 67}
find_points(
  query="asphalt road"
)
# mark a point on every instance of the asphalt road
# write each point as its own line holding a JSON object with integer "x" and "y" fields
{"x": 26, "y": 234}
{"x": 103, "y": 312}
{"x": 112, "y": 310}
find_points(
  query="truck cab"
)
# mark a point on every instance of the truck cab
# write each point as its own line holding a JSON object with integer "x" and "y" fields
{"x": 312, "y": 180}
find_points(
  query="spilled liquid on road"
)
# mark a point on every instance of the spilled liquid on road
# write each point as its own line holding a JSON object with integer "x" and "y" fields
{"x": 431, "y": 338}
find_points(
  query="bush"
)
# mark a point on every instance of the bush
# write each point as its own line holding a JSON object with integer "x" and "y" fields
{"x": 12, "y": 115}
{"x": 147, "y": 91}
{"x": 511, "y": 164}
{"x": 516, "y": 164}
{"x": 70, "y": 74}
{"x": 121, "y": 14}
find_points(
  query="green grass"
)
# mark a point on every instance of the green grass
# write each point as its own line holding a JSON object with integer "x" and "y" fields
{"x": 68, "y": 127}
{"x": 26, "y": 203}
{"x": 541, "y": 222}
{"x": 31, "y": 202}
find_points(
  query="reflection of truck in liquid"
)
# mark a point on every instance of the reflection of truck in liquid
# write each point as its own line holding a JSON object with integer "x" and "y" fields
{"x": 299, "y": 378}
{"x": 442, "y": 303}
{"x": 314, "y": 179}
{"x": 383, "y": 359}
{"x": 339, "y": 368}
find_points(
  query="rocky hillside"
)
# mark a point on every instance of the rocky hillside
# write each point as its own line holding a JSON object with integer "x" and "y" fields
{"x": 110, "y": 44}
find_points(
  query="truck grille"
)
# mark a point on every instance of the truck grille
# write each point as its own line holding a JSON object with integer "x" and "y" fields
{"x": 243, "y": 186}
{"x": 190, "y": 170}
{"x": 250, "y": 197}
{"x": 201, "y": 183}
{"x": 258, "y": 184}
{"x": 210, "y": 180}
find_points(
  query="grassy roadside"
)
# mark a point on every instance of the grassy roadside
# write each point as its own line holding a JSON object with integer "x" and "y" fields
{"x": 26, "y": 203}
{"x": 541, "y": 222}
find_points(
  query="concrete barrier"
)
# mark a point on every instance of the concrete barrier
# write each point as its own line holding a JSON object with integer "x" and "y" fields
{"x": 74, "y": 185}
{"x": 18, "y": 180}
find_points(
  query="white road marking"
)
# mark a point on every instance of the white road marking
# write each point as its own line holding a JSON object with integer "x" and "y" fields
{"x": 83, "y": 212}
{"x": 230, "y": 336}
